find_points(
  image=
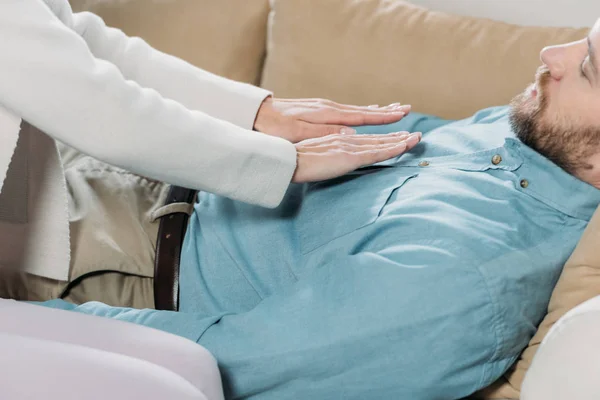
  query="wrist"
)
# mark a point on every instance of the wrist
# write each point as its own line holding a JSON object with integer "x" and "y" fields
{"x": 264, "y": 114}
{"x": 295, "y": 175}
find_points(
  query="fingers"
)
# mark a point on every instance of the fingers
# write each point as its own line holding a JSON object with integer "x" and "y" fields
{"x": 358, "y": 145}
{"x": 355, "y": 118}
{"x": 376, "y": 139}
{"x": 326, "y": 158}
{"x": 385, "y": 152}
{"x": 364, "y": 142}
{"x": 373, "y": 107}
{"x": 374, "y": 156}
{"x": 360, "y": 139}
{"x": 373, "y": 117}
{"x": 308, "y": 130}
{"x": 316, "y": 102}
{"x": 303, "y": 119}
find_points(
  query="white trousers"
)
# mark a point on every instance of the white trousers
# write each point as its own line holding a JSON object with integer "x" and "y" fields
{"x": 60, "y": 355}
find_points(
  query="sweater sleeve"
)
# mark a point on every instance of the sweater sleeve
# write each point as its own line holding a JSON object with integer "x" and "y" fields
{"x": 49, "y": 77}
{"x": 172, "y": 77}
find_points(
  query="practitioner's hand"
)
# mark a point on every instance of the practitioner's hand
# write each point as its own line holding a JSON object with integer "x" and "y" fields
{"x": 332, "y": 156}
{"x": 301, "y": 119}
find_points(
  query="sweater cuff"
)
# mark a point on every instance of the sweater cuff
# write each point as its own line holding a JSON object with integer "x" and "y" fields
{"x": 282, "y": 177}
{"x": 250, "y": 99}
{"x": 279, "y": 166}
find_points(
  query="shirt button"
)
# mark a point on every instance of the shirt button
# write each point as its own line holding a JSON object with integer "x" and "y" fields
{"x": 497, "y": 159}
{"x": 424, "y": 164}
{"x": 524, "y": 183}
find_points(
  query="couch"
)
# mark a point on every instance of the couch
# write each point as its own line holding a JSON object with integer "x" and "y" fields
{"x": 449, "y": 59}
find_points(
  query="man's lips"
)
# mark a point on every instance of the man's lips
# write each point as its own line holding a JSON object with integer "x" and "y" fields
{"x": 532, "y": 91}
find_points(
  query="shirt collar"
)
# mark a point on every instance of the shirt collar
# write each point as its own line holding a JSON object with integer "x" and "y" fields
{"x": 547, "y": 182}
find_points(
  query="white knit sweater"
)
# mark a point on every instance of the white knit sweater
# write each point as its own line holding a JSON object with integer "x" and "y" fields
{"x": 118, "y": 100}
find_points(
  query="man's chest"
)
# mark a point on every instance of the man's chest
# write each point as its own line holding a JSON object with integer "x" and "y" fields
{"x": 458, "y": 199}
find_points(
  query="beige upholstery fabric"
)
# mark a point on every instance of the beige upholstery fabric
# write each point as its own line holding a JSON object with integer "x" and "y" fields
{"x": 226, "y": 38}
{"x": 383, "y": 51}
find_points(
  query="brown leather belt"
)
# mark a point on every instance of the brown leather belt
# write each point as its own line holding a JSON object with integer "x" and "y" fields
{"x": 171, "y": 232}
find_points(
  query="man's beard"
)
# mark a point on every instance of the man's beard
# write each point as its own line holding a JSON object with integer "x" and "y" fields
{"x": 556, "y": 138}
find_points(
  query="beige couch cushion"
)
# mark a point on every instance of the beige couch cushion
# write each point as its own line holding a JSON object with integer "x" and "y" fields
{"x": 226, "y": 39}
{"x": 383, "y": 51}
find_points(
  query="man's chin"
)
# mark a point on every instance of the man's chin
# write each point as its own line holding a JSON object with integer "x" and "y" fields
{"x": 523, "y": 115}
{"x": 520, "y": 104}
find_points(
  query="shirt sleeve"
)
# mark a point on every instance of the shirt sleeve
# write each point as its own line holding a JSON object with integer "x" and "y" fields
{"x": 49, "y": 77}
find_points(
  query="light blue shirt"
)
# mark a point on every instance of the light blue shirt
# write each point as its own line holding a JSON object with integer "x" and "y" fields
{"x": 421, "y": 278}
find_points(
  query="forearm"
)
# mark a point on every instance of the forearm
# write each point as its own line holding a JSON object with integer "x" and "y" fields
{"x": 49, "y": 77}
{"x": 172, "y": 77}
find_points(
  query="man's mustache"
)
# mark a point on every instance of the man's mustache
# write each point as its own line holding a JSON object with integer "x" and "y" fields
{"x": 542, "y": 77}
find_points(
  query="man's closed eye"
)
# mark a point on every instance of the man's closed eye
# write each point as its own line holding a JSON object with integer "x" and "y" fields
{"x": 582, "y": 69}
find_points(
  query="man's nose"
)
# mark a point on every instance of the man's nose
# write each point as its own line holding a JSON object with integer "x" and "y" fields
{"x": 554, "y": 57}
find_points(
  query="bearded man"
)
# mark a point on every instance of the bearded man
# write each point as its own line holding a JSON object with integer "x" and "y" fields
{"x": 421, "y": 278}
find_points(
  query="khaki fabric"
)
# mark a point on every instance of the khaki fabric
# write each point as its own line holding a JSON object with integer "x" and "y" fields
{"x": 226, "y": 39}
{"x": 113, "y": 288}
{"x": 113, "y": 238}
{"x": 110, "y": 212}
{"x": 23, "y": 286}
{"x": 383, "y": 51}
{"x": 113, "y": 232}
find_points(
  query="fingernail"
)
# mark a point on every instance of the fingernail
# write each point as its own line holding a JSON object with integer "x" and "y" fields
{"x": 348, "y": 131}
{"x": 414, "y": 138}
{"x": 373, "y": 106}
{"x": 405, "y": 107}
{"x": 394, "y": 105}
